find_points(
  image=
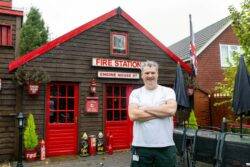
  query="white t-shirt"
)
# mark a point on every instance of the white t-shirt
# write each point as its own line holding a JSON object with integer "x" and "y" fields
{"x": 156, "y": 132}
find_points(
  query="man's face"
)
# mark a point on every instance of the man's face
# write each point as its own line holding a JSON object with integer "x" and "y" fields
{"x": 150, "y": 77}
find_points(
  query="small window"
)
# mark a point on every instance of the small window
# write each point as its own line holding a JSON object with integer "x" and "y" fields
{"x": 226, "y": 54}
{"x": 119, "y": 43}
{"x": 5, "y": 35}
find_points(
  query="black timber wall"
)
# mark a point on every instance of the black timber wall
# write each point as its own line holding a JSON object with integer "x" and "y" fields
{"x": 8, "y": 93}
{"x": 71, "y": 62}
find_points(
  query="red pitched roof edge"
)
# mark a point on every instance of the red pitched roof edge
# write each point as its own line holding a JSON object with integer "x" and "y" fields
{"x": 11, "y": 12}
{"x": 52, "y": 44}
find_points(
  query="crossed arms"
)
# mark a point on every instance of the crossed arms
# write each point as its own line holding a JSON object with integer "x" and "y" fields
{"x": 143, "y": 113}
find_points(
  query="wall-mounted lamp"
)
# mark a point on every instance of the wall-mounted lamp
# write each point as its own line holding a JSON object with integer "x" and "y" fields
{"x": 92, "y": 87}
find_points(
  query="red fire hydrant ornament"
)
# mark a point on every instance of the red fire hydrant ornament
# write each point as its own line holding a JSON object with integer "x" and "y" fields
{"x": 42, "y": 150}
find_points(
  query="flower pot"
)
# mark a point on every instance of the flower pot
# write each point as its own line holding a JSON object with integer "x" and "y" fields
{"x": 33, "y": 89}
{"x": 30, "y": 154}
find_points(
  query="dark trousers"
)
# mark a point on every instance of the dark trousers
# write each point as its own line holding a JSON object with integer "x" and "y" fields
{"x": 153, "y": 157}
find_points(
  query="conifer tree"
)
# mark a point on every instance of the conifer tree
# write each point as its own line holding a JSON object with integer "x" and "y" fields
{"x": 30, "y": 135}
{"x": 33, "y": 33}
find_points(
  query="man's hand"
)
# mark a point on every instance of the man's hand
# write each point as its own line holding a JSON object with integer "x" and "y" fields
{"x": 137, "y": 114}
{"x": 165, "y": 110}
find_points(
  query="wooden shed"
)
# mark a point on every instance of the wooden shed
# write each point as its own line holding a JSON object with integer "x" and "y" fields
{"x": 107, "y": 50}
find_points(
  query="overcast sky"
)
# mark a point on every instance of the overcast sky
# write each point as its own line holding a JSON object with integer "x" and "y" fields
{"x": 167, "y": 20}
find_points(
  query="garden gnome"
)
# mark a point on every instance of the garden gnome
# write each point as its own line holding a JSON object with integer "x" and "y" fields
{"x": 100, "y": 143}
{"x": 84, "y": 145}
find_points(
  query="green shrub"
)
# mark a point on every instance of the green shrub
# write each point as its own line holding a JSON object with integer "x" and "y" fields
{"x": 30, "y": 135}
{"x": 192, "y": 121}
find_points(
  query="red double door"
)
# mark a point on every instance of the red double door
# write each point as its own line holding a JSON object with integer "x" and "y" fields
{"x": 117, "y": 122}
{"x": 62, "y": 105}
{"x": 61, "y": 118}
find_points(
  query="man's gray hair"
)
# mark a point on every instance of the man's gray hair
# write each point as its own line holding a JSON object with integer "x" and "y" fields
{"x": 149, "y": 64}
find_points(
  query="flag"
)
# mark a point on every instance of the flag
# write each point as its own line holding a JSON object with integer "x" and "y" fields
{"x": 192, "y": 49}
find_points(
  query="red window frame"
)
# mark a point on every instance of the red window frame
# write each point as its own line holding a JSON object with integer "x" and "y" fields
{"x": 117, "y": 109}
{"x": 115, "y": 51}
{"x": 59, "y": 100}
{"x": 5, "y": 35}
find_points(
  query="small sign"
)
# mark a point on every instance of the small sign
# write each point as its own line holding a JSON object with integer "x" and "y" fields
{"x": 120, "y": 75}
{"x": 116, "y": 63}
{"x": 91, "y": 104}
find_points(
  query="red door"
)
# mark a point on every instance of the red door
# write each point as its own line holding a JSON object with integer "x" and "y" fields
{"x": 116, "y": 117}
{"x": 61, "y": 118}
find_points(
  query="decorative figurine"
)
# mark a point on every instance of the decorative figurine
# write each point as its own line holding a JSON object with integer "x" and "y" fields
{"x": 100, "y": 143}
{"x": 84, "y": 145}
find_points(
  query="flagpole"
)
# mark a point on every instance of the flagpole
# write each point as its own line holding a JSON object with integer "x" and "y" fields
{"x": 193, "y": 61}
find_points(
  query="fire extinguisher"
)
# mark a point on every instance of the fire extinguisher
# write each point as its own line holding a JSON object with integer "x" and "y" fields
{"x": 42, "y": 150}
{"x": 92, "y": 145}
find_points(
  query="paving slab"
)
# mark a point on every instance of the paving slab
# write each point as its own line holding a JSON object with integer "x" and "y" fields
{"x": 118, "y": 159}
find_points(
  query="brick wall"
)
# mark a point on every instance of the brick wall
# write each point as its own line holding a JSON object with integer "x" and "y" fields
{"x": 209, "y": 69}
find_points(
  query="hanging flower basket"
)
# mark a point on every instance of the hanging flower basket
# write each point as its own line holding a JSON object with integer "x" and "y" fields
{"x": 31, "y": 78}
{"x": 190, "y": 91}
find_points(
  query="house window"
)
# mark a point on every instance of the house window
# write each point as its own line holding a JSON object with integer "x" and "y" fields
{"x": 119, "y": 43}
{"x": 226, "y": 54}
{"x": 5, "y": 35}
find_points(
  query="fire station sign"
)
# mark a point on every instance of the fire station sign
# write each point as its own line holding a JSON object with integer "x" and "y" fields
{"x": 116, "y": 63}
{"x": 120, "y": 75}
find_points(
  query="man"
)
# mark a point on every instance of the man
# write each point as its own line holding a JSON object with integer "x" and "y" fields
{"x": 151, "y": 107}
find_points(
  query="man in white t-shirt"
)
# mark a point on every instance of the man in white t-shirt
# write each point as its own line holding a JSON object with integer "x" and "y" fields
{"x": 152, "y": 107}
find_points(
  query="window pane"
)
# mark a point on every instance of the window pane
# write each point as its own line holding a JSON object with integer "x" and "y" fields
{"x": 123, "y": 91}
{"x": 124, "y": 115}
{"x": 62, "y": 117}
{"x": 70, "y": 104}
{"x": 117, "y": 91}
{"x": 71, "y": 91}
{"x": 109, "y": 103}
{"x": 62, "y": 104}
{"x": 53, "y": 117}
{"x": 109, "y": 115}
{"x": 109, "y": 91}
{"x": 70, "y": 117}
{"x": 116, "y": 103}
{"x": 53, "y": 90}
{"x": 53, "y": 103}
{"x": 62, "y": 90}
{"x": 117, "y": 115}
{"x": 123, "y": 103}
{"x": 224, "y": 55}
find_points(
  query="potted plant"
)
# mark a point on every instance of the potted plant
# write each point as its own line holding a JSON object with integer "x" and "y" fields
{"x": 32, "y": 78}
{"x": 30, "y": 139}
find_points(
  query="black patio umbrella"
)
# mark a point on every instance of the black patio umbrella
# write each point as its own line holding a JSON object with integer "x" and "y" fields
{"x": 180, "y": 90}
{"x": 241, "y": 93}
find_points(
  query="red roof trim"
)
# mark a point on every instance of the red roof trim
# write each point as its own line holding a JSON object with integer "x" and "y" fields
{"x": 11, "y": 12}
{"x": 52, "y": 44}
{"x": 6, "y": 4}
{"x": 157, "y": 42}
